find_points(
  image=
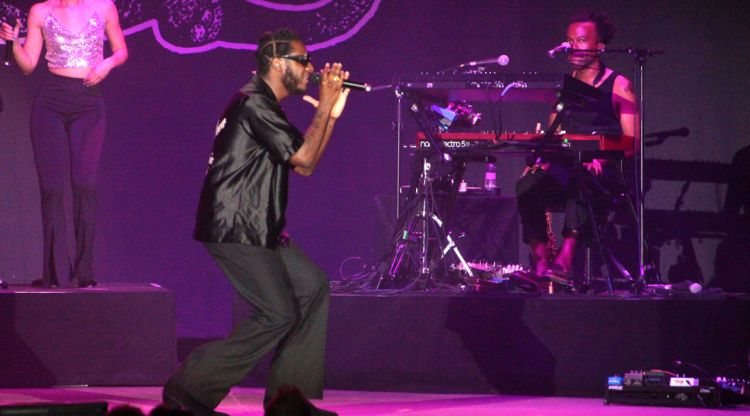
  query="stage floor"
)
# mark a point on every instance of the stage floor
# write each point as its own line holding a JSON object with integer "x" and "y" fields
{"x": 248, "y": 402}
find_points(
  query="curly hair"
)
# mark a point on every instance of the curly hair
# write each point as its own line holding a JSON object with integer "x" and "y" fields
{"x": 272, "y": 45}
{"x": 604, "y": 27}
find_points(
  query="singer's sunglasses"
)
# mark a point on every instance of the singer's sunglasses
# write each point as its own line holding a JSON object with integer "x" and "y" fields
{"x": 302, "y": 59}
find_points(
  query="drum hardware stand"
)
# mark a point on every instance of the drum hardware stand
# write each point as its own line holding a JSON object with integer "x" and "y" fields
{"x": 398, "y": 126}
{"x": 417, "y": 221}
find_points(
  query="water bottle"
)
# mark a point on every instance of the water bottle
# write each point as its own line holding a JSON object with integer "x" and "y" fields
{"x": 490, "y": 182}
{"x": 462, "y": 186}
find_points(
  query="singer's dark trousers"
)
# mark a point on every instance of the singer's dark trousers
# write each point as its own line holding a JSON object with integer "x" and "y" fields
{"x": 289, "y": 295}
{"x": 67, "y": 133}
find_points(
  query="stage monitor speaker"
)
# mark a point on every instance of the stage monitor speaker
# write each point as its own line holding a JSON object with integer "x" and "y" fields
{"x": 53, "y": 409}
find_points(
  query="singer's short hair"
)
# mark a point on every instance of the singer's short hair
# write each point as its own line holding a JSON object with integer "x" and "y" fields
{"x": 604, "y": 27}
{"x": 272, "y": 45}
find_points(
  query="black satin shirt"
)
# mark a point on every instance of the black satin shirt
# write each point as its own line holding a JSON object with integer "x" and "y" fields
{"x": 244, "y": 194}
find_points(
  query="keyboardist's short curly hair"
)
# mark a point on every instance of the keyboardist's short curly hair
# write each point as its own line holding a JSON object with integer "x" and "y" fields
{"x": 604, "y": 27}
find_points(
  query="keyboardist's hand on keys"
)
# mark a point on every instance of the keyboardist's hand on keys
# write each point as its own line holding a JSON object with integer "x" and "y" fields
{"x": 542, "y": 166}
{"x": 594, "y": 167}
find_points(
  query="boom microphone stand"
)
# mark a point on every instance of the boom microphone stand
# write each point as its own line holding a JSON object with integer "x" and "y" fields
{"x": 639, "y": 62}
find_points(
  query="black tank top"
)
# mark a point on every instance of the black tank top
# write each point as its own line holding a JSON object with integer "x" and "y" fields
{"x": 596, "y": 116}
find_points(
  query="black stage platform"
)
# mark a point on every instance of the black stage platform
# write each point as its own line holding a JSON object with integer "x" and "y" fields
{"x": 563, "y": 345}
{"x": 108, "y": 335}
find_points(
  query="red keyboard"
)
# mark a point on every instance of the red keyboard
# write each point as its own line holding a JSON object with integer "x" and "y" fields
{"x": 470, "y": 140}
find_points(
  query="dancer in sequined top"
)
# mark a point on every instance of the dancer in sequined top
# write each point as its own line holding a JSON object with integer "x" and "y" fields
{"x": 68, "y": 121}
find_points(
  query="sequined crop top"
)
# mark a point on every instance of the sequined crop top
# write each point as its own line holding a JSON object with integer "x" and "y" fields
{"x": 66, "y": 49}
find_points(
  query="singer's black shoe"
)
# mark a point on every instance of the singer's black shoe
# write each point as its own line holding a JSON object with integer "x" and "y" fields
{"x": 288, "y": 400}
{"x": 315, "y": 411}
{"x": 82, "y": 283}
{"x": 175, "y": 397}
{"x": 307, "y": 409}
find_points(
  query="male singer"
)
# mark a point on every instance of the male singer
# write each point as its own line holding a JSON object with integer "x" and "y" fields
{"x": 241, "y": 221}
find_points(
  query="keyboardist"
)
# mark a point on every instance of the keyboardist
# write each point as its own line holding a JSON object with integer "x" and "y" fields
{"x": 550, "y": 184}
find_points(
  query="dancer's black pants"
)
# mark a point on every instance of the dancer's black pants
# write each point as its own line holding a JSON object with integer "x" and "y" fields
{"x": 67, "y": 133}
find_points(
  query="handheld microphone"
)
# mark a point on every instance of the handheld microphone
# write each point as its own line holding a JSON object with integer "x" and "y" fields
{"x": 352, "y": 85}
{"x": 501, "y": 60}
{"x": 563, "y": 47}
{"x": 9, "y": 45}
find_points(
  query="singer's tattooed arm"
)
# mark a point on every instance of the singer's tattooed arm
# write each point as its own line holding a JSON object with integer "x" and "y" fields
{"x": 316, "y": 140}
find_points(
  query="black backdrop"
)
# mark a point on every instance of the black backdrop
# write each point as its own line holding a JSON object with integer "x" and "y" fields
{"x": 162, "y": 107}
